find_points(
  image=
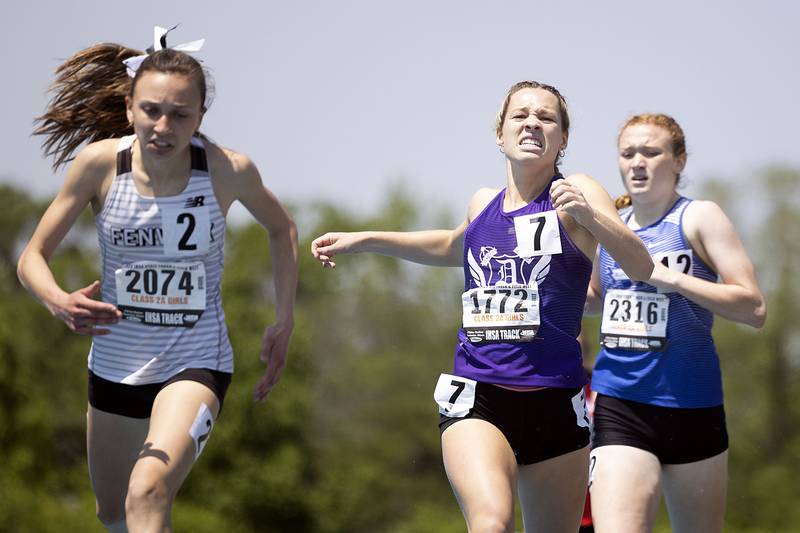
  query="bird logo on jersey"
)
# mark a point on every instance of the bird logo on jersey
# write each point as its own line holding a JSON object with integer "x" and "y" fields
{"x": 500, "y": 270}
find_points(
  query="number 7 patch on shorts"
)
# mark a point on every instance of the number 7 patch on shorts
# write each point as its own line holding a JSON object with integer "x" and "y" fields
{"x": 455, "y": 395}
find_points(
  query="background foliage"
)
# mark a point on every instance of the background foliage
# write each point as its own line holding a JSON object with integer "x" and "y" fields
{"x": 348, "y": 441}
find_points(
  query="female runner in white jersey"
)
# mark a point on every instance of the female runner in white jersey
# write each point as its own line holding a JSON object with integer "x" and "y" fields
{"x": 158, "y": 378}
{"x": 523, "y": 430}
{"x": 659, "y": 423}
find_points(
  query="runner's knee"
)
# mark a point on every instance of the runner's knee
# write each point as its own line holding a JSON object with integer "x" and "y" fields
{"x": 489, "y": 520}
{"x": 146, "y": 492}
{"x": 490, "y": 525}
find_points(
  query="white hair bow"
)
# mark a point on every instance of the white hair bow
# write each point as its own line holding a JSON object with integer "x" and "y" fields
{"x": 159, "y": 43}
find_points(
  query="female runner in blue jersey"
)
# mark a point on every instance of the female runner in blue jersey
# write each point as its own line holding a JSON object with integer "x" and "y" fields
{"x": 160, "y": 361}
{"x": 659, "y": 421}
{"x": 513, "y": 417}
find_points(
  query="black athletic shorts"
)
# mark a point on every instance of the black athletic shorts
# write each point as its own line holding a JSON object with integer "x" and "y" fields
{"x": 539, "y": 425}
{"x": 675, "y": 435}
{"x": 136, "y": 401}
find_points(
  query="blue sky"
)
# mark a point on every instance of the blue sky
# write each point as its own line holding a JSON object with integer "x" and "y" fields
{"x": 338, "y": 101}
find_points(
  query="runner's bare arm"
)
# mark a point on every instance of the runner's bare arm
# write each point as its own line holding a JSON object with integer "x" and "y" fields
{"x": 590, "y": 205}
{"x": 267, "y": 210}
{"x": 712, "y": 236}
{"x": 594, "y": 293}
{"x": 77, "y": 309}
{"x": 431, "y": 247}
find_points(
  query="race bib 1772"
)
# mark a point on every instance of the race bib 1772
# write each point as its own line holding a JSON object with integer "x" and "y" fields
{"x": 503, "y": 313}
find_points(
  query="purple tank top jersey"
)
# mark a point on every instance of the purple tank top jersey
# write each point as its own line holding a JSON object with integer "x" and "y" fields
{"x": 525, "y": 287}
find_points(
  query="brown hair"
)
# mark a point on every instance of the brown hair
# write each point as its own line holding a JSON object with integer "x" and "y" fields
{"x": 88, "y": 102}
{"x": 172, "y": 61}
{"x": 530, "y": 84}
{"x": 677, "y": 138}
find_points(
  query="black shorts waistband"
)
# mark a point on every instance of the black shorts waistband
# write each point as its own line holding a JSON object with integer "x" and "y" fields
{"x": 136, "y": 401}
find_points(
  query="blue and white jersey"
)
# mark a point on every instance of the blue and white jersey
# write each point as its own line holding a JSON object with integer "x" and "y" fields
{"x": 656, "y": 347}
{"x": 162, "y": 260}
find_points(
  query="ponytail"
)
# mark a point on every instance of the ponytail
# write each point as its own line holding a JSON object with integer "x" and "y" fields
{"x": 622, "y": 201}
{"x": 89, "y": 91}
{"x": 88, "y": 102}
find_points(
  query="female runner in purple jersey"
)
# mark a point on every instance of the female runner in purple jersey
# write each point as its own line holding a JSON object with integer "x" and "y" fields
{"x": 143, "y": 438}
{"x": 513, "y": 418}
{"x": 659, "y": 419}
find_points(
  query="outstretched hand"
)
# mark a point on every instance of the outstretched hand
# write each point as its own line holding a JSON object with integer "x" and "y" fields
{"x": 82, "y": 313}
{"x": 274, "y": 351}
{"x": 325, "y": 247}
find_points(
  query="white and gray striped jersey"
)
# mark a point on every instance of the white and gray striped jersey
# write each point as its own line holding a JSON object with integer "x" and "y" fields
{"x": 162, "y": 261}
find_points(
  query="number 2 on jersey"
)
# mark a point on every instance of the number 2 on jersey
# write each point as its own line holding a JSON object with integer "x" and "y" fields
{"x": 183, "y": 244}
{"x": 187, "y": 231}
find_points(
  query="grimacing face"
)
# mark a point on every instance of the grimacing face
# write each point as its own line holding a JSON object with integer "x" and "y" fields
{"x": 165, "y": 110}
{"x": 648, "y": 168}
{"x": 532, "y": 128}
